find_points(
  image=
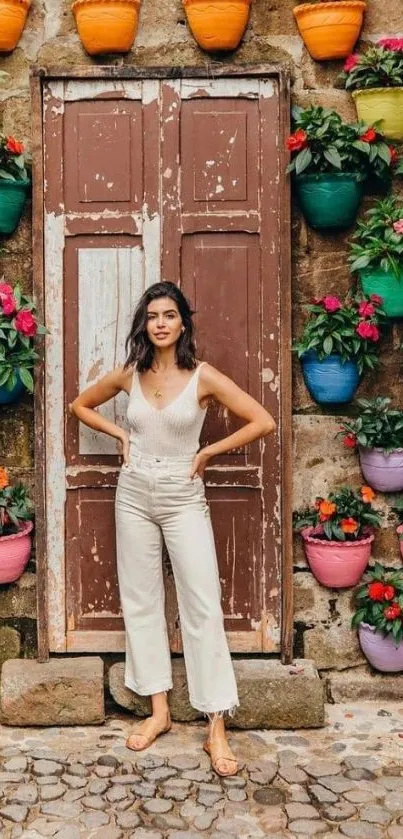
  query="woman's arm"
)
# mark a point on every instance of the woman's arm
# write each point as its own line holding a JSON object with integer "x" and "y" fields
{"x": 258, "y": 421}
{"x": 85, "y": 404}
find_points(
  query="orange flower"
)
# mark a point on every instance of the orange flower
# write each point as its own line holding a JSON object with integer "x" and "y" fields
{"x": 349, "y": 525}
{"x": 367, "y": 494}
{"x": 3, "y": 478}
{"x": 326, "y": 510}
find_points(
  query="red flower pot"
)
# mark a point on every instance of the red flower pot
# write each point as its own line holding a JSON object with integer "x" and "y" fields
{"x": 336, "y": 564}
{"x": 15, "y": 551}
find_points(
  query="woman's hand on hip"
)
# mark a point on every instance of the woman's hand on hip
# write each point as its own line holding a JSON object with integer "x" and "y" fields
{"x": 199, "y": 464}
{"x": 124, "y": 446}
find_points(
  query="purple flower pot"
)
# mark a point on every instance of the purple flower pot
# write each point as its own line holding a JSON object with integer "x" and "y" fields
{"x": 381, "y": 470}
{"x": 380, "y": 650}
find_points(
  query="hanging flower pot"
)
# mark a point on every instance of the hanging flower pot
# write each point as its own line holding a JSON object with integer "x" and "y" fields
{"x": 13, "y": 14}
{"x": 330, "y": 30}
{"x": 382, "y": 470}
{"x": 329, "y": 201}
{"x": 106, "y": 26}
{"x": 384, "y": 104}
{"x": 7, "y": 396}
{"x": 15, "y": 551}
{"x": 330, "y": 381}
{"x": 383, "y": 652}
{"x": 217, "y": 25}
{"x": 386, "y": 285}
{"x": 336, "y": 564}
{"x": 13, "y": 195}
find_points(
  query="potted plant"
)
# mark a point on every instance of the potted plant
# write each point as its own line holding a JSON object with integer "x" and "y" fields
{"x": 106, "y": 26}
{"x": 379, "y": 619}
{"x": 217, "y": 26}
{"x": 338, "y": 534}
{"x": 376, "y": 254}
{"x": 13, "y": 14}
{"x": 330, "y": 162}
{"x": 16, "y": 513}
{"x": 18, "y": 329}
{"x": 329, "y": 29}
{"x": 338, "y": 343}
{"x": 377, "y": 431}
{"x": 375, "y": 78}
{"x": 15, "y": 182}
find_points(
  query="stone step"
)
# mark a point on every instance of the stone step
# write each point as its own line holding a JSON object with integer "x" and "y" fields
{"x": 271, "y": 695}
{"x": 363, "y": 684}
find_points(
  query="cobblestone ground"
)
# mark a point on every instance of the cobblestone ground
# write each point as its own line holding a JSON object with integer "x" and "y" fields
{"x": 345, "y": 780}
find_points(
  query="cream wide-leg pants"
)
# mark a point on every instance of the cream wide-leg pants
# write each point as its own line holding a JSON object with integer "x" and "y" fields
{"x": 156, "y": 499}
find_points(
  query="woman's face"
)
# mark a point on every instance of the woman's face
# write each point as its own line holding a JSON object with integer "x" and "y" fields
{"x": 164, "y": 323}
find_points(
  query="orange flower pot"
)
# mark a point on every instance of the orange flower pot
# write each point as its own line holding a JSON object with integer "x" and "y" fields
{"x": 330, "y": 30}
{"x": 106, "y": 26}
{"x": 13, "y": 14}
{"x": 217, "y": 25}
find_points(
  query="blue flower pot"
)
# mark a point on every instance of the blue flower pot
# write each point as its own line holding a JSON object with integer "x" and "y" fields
{"x": 7, "y": 397}
{"x": 330, "y": 382}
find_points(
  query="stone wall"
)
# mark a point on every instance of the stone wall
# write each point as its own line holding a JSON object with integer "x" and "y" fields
{"x": 319, "y": 266}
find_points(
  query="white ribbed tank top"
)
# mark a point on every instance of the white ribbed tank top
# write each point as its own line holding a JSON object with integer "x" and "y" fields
{"x": 173, "y": 431}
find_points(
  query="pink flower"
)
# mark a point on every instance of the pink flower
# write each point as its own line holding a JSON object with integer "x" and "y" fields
{"x": 393, "y": 44}
{"x": 367, "y": 331}
{"x": 8, "y": 304}
{"x": 351, "y": 62}
{"x": 376, "y": 299}
{"x": 331, "y": 304}
{"x": 366, "y": 310}
{"x": 5, "y": 288}
{"x": 26, "y": 323}
{"x": 398, "y": 226}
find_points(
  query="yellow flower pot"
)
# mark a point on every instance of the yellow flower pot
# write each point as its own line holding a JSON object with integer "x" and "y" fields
{"x": 217, "y": 25}
{"x": 106, "y": 26}
{"x": 13, "y": 14}
{"x": 382, "y": 103}
{"x": 330, "y": 30}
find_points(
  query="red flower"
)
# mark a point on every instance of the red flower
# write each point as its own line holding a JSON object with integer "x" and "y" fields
{"x": 393, "y": 155}
{"x": 376, "y": 299}
{"x": 375, "y": 591}
{"x": 368, "y": 331}
{"x": 5, "y": 288}
{"x": 8, "y": 304}
{"x": 14, "y": 146}
{"x": 26, "y": 323}
{"x": 298, "y": 140}
{"x": 393, "y": 44}
{"x": 389, "y": 593}
{"x": 351, "y": 62}
{"x": 350, "y": 440}
{"x": 331, "y": 304}
{"x": 392, "y": 612}
{"x": 369, "y": 136}
{"x": 366, "y": 310}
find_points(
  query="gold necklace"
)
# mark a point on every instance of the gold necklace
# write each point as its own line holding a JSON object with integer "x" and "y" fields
{"x": 157, "y": 393}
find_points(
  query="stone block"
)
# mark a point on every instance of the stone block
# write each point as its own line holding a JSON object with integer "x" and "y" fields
{"x": 375, "y": 23}
{"x": 363, "y": 684}
{"x": 332, "y": 647}
{"x": 19, "y": 600}
{"x": 65, "y": 691}
{"x": 271, "y": 695}
{"x": 16, "y": 440}
{"x": 10, "y": 644}
{"x": 311, "y": 601}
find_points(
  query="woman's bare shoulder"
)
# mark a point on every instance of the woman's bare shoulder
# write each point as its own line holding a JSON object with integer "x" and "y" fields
{"x": 123, "y": 377}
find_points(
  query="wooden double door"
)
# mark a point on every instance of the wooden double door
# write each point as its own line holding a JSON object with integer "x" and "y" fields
{"x": 149, "y": 179}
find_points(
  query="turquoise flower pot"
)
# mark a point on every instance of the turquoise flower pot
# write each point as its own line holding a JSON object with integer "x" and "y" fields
{"x": 13, "y": 195}
{"x": 329, "y": 201}
{"x": 7, "y": 397}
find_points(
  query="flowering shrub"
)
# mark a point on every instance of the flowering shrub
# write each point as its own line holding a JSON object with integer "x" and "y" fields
{"x": 378, "y": 238}
{"x": 380, "y": 602}
{"x": 322, "y": 142}
{"x": 14, "y": 163}
{"x": 380, "y": 65}
{"x": 377, "y": 426}
{"x": 15, "y": 505}
{"x": 351, "y": 329}
{"x": 18, "y": 329}
{"x": 345, "y": 515}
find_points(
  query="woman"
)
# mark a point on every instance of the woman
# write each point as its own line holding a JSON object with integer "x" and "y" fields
{"x": 160, "y": 495}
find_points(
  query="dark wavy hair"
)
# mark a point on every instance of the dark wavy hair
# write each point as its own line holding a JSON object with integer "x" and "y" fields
{"x": 140, "y": 350}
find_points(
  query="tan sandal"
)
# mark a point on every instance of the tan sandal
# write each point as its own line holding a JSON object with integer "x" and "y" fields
{"x": 149, "y": 739}
{"x": 224, "y": 756}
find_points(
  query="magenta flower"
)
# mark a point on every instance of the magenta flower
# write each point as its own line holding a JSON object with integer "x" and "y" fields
{"x": 393, "y": 44}
{"x": 331, "y": 304}
{"x": 351, "y": 62}
{"x": 398, "y": 226}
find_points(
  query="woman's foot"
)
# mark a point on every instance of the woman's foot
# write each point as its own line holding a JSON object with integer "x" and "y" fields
{"x": 222, "y": 757}
{"x": 148, "y": 731}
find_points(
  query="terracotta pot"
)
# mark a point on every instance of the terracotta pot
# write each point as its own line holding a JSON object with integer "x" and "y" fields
{"x": 106, "y": 26}
{"x": 399, "y": 531}
{"x": 13, "y": 14}
{"x": 337, "y": 564}
{"x": 330, "y": 30}
{"x": 217, "y": 25}
{"x": 383, "y": 471}
{"x": 15, "y": 551}
{"x": 380, "y": 650}
{"x": 384, "y": 104}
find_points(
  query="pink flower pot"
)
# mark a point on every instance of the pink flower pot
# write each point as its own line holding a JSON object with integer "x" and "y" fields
{"x": 399, "y": 531}
{"x": 382, "y": 471}
{"x": 380, "y": 650}
{"x": 15, "y": 551}
{"x": 337, "y": 564}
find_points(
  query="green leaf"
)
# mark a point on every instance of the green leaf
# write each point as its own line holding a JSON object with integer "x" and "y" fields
{"x": 328, "y": 345}
{"x": 302, "y": 161}
{"x": 26, "y": 379}
{"x": 332, "y": 156}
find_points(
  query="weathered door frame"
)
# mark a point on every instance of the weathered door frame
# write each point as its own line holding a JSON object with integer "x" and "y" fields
{"x": 112, "y": 72}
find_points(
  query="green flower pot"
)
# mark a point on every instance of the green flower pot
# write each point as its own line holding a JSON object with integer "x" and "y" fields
{"x": 329, "y": 201}
{"x": 388, "y": 286}
{"x": 13, "y": 195}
